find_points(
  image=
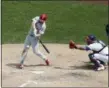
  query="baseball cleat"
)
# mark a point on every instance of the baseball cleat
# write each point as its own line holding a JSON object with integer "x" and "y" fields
{"x": 47, "y": 62}
{"x": 20, "y": 66}
{"x": 100, "y": 68}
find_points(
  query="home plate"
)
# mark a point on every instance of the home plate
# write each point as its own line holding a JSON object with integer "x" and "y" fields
{"x": 37, "y": 72}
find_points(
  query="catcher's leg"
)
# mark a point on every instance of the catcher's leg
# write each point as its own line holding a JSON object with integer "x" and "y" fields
{"x": 96, "y": 60}
{"x": 102, "y": 58}
{"x": 35, "y": 47}
{"x": 91, "y": 56}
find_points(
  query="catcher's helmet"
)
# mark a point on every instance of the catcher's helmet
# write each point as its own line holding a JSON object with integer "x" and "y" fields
{"x": 91, "y": 37}
{"x": 43, "y": 17}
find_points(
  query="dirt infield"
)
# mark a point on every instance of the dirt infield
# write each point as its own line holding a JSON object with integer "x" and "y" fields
{"x": 69, "y": 68}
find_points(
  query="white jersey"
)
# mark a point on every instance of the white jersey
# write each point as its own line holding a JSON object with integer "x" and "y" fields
{"x": 97, "y": 47}
{"x": 37, "y": 26}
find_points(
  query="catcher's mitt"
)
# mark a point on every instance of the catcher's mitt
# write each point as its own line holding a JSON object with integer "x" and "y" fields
{"x": 72, "y": 45}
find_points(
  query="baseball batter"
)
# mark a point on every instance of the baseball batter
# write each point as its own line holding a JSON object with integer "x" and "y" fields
{"x": 100, "y": 53}
{"x": 38, "y": 28}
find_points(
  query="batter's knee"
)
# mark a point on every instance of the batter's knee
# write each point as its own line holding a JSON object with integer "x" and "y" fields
{"x": 35, "y": 51}
{"x": 25, "y": 49}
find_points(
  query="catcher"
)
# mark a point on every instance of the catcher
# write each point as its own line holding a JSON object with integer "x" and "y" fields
{"x": 100, "y": 51}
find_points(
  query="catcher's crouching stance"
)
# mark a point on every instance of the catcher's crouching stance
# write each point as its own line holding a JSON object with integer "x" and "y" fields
{"x": 37, "y": 29}
{"x": 100, "y": 51}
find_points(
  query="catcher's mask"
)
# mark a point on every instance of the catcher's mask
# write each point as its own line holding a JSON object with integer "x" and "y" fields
{"x": 89, "y": 39}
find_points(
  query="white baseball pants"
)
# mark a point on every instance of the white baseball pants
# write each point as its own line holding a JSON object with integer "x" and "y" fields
{"x": 101, "y": 57}
{"x": 34, "y": 42}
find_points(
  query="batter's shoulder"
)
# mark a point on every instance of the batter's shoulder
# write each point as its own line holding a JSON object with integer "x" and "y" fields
{"x": 35, "y": 18}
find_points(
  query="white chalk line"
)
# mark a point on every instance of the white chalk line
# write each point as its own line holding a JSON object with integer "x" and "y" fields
{"x": 36, "y": 72}
{"x": 28, "y": 82}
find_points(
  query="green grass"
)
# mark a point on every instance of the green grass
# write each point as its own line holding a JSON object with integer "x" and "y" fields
{"x": 66, "y": 20}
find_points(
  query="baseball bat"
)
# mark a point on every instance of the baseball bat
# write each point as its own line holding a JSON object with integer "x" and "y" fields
{"x": 44, "y": 46}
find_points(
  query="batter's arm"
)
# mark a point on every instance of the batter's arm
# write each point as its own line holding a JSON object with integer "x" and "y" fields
{"x": 35, "y": 30}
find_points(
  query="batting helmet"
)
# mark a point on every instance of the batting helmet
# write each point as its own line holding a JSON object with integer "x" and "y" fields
{"x": 43, "y": 17}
